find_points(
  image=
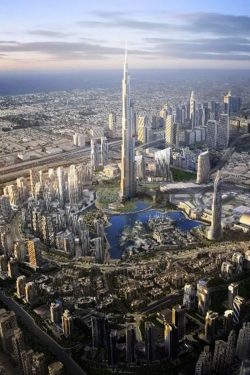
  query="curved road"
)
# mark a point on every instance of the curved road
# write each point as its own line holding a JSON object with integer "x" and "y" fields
{"x": 55, "y": 348}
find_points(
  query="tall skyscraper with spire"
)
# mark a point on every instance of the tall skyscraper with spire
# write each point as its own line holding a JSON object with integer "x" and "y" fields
{"x": 215, "y": 231}
{"x": 128, "y": 178}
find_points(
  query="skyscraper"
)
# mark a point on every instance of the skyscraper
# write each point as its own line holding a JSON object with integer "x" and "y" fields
{"x": 112, "y": 123}
{"x": 67, "y": 323}
{"x": 215, "y": 231}
{"x": 104, "y": 151}
{"x": 179, "y": 319}
{"x": 203, "y": 297}
{"x": 243, "y": 342}
{"x": 94, "y": 155}
{"x": 218, "y": 364}
{"x": 203, "y": 168}
{"x": 193, "y": 116}
{"x": 238, "y": 309}
{"x": 128, "y": 178}
{"x": 211, "y": 322}
{"x": 20, "y": 286}
{"x": 203, "y": 365}
{"x": 143, "y": 129}
{"x": 233, "y": 289}
{"x": 73, "y": 188}
{"x": 34, "y": 251}
{"x": 171, "y": 131}
{"x": 149, "y": 341}
{"x": 171, "y": 340}
{"x": 8, "y": 324}
{"x": 211, "y": 134}
{"x": 223, "y": 131}
{"x": 61, "y": 184}
{"x": 228, "y": 321}
{"x": 131, "y": 343}
{"x": 189, "y": 296}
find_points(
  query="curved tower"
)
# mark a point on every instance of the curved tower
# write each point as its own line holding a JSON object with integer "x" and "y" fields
{"x": 215, "y": 231}
{"x": 128, "y": 178}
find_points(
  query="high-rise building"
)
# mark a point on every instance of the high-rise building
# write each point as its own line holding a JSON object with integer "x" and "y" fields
{"x": 179, "y": 319}
{"x": 243, "y": 342}
{"x": 112, "y": 122}
{"x": 39, "y": 364}
{"x": 218, "y": 364}
{"x": 189, "y": 297}
{"x": 56, "y": 368}
{"x": 18, "y": 345}
{"x": 94, "y": 155}
{"x": 79, "y": 140}
{"x": 34, "y": 252}
{"x": 20, "y": 286}
{"x": 30, "y": 293}
{"x": 171, "y": 131}
{"x": 140, "y": 167}
{"x": 55, "y": 312}
{"x": 99, "y": 326}
{"x": 100, "y": 254}
{"x": 111, "y": 347}
{"x": 171, "y": 340}
{"x": 128, "y": 178}
{"x": 204, "y": 363}
{"x": 67, "y": 324}
{"x": 149, "y": 341}
{"x": 131, "y": 343}
{"x": 228, "y": 321}
{"x": 162, "y": 163}
{"x": 73, "y": 185}
{"x": 85, "y": 242}
{"x": 238, "y": 309}
{"x": 232, "y": 104}
{"x": 230, "y": 350}
{"x": 233, "y": 290}
{"x": 3, "y": 263}
{"x": 61, "y": 184}
{"x": 12, "y": 268}
{"x": 203, "y": 168}
{"x": 211, "y": 322}
{"x": 193, "y": 114}
{"x": 5, "y": 208}
{"x": 34, "y": 179}
{"x": 215, "y": 231}
{"x": 223, "y": 131}
{"x": 27, "y": 360}
{"x": 143, "y": 129}
{"x": 211, "y": 134}
{"x": 8, "y": 324}
{"x": 203, "y": 297}
{"x": 104, "y": 151}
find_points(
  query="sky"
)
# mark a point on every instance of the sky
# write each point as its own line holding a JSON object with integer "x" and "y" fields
{"x": 91, "y": 34}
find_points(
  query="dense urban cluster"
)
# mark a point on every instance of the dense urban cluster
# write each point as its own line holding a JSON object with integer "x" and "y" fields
{"x": 174, "y": 295}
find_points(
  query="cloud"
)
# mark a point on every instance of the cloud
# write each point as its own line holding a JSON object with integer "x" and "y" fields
{"x": 49, "y": 33}
{"x": 207, "y": 23}
{"x": 68, "y": 50}
{"x": 203, "y": 48}
{"x": 217, "y": 24}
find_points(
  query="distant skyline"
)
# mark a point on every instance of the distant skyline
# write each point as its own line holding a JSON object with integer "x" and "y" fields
{"x": 76, "y": 34}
